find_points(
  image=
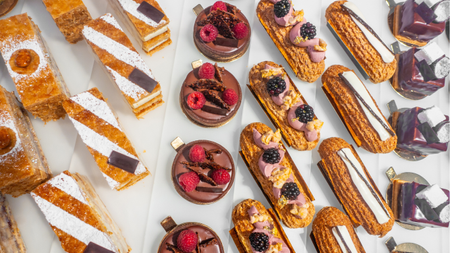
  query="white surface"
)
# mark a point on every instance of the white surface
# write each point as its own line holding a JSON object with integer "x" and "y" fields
{"x": 152, "y": 135}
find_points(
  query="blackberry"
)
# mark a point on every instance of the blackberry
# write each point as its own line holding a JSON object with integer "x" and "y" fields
{"x": 259, "y": 241}
{"x": 290, "y": 190}
{"x": 304, "y": 113}
{"x": 271, "y": 156}
{"x": 308, "y": 30}
{"x": 282, "y": 8}
{"x": 275, "y": 86}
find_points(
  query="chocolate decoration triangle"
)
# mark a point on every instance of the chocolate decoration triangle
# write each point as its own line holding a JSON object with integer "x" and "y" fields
{"x": 426, "y": 13}
{"x": 426, "y": 71}
{"x": 95, "y": 248}
{"x": 123, "y": 162}
{"x": 426, "y": 209}
{"x": 150, "y": 12}
{"x": 428, "y": 133}
{"x": 226, "y": 42}
{"x": 143, "y": 80}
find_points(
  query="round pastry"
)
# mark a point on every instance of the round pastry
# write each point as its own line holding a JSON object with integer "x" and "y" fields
{"x": 222, "y": 32}
{"x": 203, "y": 172}
{"x": 6, "y": 6}
{"x": 210, "y": 96}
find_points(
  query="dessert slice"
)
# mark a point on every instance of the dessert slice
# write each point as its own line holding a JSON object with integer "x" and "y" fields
{"x": 99, "y": 129}
{"x": 23, "y": 165}
{"x": 70, "y": 16}
{"x": 32, "y": 68}
{"x": 124, "y": 64}
{"x": 147, "y": 21}
{"x": 10, "y": 239}
{"x": 78, "y": 216}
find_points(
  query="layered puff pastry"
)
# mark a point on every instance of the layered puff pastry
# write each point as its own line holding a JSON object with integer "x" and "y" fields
{"x": 279, "y": 178}
{"x": 361, "y": 40}
{"x": 281, "y": 108}
{"x": 358, "y": 110}
{"x": 354, "y": 188}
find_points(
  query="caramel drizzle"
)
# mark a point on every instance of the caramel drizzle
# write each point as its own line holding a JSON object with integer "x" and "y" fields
{"x": 206, "y": 165}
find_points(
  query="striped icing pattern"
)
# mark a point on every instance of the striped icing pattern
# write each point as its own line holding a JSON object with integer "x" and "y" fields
{"x": 68, "y": 185}
{"x": 108, "y": 18}
{"x": 126, "y": 86}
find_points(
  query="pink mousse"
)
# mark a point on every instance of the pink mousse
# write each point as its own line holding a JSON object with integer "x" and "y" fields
{"x": 299, "y": 201}
{"x": 278, "y": 100}
{"x": 284, "y": 20}
{"x": 257, "y": 139}
{"x": 316, "y": 56}
{"x": 296, "y": 124}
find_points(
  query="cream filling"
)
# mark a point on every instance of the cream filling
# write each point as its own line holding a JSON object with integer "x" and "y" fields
{"x": 344, "y": 239}
{"x": 156, "y": 33}
{"x": 146, "y": 99}
{"x": 157, "y": 44}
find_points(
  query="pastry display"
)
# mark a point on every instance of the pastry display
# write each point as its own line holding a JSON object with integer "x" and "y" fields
{"x": 202, "y": 171}
{"x": 353, "y": 186}
{"x": 123, "y": 64}
{"x": 78, "y": 216}
{"x": 368, "y": 52}
{"x": 332, "y": 231}
{"x": 6, "y": 6}
{"x": 10, "y": 238}
{"x": 294, "y": 37}
{"x": 210, "y": 95}
{"x": 421, "y": 71}
{"x": 146, "y": 20}
{"x": 38, "y": 81}
{"x": 358, "y": 110}
{"x": 221, "y": 32}
{"x": 276, "y": 174}
{"x": 70, "y": 16}
{"x": 257, "y": 229}
{"x": 284, "y": 105}
{"x": 100, "y": 130}
{"x": 23, "y": 165}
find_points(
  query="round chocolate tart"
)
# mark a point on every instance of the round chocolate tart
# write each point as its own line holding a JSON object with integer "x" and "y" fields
{"x": 205, "y": 193}
{"x": 6, "y": 6}
{"x": 222, "y": 49}
{"x": 211, "y": 115}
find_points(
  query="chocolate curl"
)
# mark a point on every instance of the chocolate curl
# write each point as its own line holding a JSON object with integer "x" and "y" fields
{"x": 209, "y": 153}
{"x": 206, "y": 165}
{"x": 208, "y": 242}
{"x": 202, "y": 176}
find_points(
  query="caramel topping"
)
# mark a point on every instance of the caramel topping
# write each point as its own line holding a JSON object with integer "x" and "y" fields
{"x": 23, "y": 58}
{"x": 5, "y": 137}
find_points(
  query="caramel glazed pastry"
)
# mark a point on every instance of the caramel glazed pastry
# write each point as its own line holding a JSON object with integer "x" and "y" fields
{"x": 10, "y": 238}
{"x": 354, "y": 188}
{"x": 123, "y": 64}
{"x": 258, "y": 230}
{"x": 358, "y": 110}
{"x": 275, "y": 172}
{"x": 38, "y": 81}
{"x": 285, "y": 105}
{"x": 361, "y": 40}
{"x": 146, "y": 20}
{"x": 23, "y": 165}
{"x": 294, "y": 37}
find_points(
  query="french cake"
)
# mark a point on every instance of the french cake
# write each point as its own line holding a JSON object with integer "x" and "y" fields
{"x": 10, "y": 238}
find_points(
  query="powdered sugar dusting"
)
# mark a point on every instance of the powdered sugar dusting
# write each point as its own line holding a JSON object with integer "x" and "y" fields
{"x": 126, "y": 86}
{"x": 131, "y": 7}
{"x": 108, "y": 18}
{"x": 111, "y": 182}
{"x": 7, "y": 121}
{"x": 68, "y": 185}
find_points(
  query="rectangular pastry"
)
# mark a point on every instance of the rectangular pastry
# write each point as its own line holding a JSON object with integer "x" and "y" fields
{"x": 23, "y": 165}
{"x": 78, "y": 216}
{"x": 70, "y": 16}
{"x": 10, "y": 239}
{"x": 123, "y": 64}
{"x": 38, "y": 80}
{"x": 146, "y": 21}
{"x": 100, "y": 130}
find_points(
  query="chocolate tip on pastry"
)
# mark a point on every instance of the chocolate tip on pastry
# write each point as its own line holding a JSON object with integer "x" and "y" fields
{"x": 226, "y": 42}
{"x": 151, "y": 12}
{"x": 143, "y": 80}
{"x": 209, "y": 189}
{"x": 123, "y": 162}
{"x": 95, "y": 248}
{"x": 214, "y": 110}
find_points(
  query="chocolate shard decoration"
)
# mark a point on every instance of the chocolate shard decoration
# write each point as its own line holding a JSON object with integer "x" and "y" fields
{"x": 197, "y": 247}
{"x": 428, "y": 133}
{"x": 215, "y": 99}
{"x": 426, "y": 13}
{"x": 95, "y": 248}
{"x": 426, "y": 71}
{"x": 232, "y": 9}
{"x": 226, "y": 42}
{"x": 143, "y": 80}
{"x": 426, "y": 209}
{"x": 207, "y": 84}
{"x": 202, "y": 176}
{"x": 209, "y": 153}
{"x": 206, "y": 165}
{"x": 214, "y": 110}
{"x": 123, "y": 162}
{"x": 208, "y": 189}
{"x": 219, "y": 72}
{"x": 223, "y": 21}
{"x": 151, "y": 12}
{"x": 208, "y": 242}
{"x": 173, "y": 248}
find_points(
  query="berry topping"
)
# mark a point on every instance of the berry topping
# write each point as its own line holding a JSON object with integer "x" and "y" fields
{"x": 276, "y": 86}
{"x": 259, "y": 241}
{"x": 197, "y": 154}
{"x": 304, "y": 113}
{"x": 281, "y": 8}
{"x": 188, "y": 181}
{"x": 220, "y": 176}
{"x": 240, "y": 31}
{"x": 308, "y": 31}
{"x": 206, "y": 71}
{"x": 230, "y": 97}
{"x": 187, "y": 240}
{"x": 271, "y": 156}
{"x": 208, "y": 33}
{"x": 219, "y": 5}
{"x": 290, "y": 190}
{"x": 196, "y": 100}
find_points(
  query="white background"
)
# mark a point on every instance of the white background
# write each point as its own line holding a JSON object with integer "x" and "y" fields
{"x": 139, "y": 210}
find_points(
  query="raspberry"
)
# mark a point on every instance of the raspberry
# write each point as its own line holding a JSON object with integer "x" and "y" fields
{"x": 208, "y": 33}
{"x": 219, "y": 5}
{"x": 197, "y": 154}
{"x": 220, "y": 176}
{"x": 206, "y": 71}
{"x": 240, "y": 31}
{"x": 188, "y": 181}
{"x": 187, "y": 240}
{"x": 230, "y": 97}
{"x": 196, "y": 100}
